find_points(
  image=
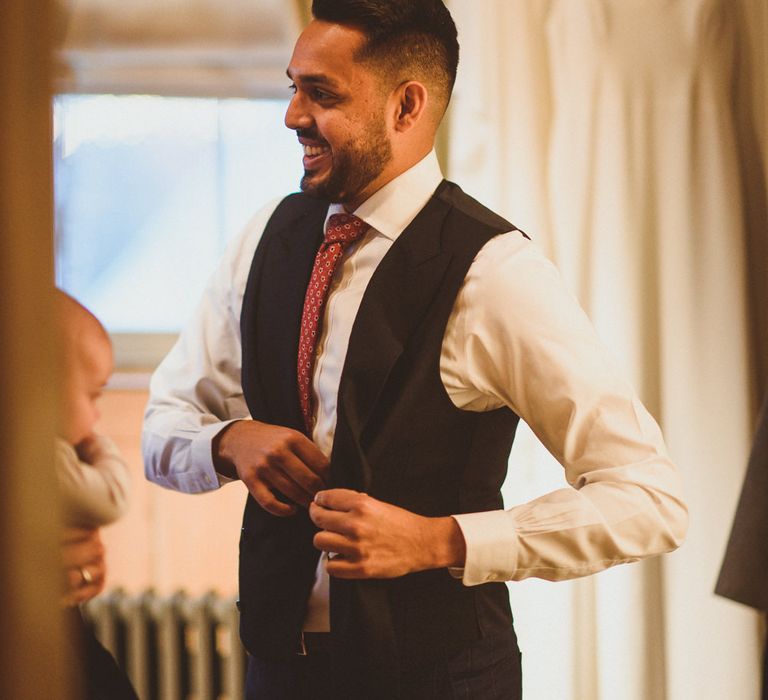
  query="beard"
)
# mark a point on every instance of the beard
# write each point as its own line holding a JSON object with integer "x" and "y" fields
{"x": 353, "y": 167}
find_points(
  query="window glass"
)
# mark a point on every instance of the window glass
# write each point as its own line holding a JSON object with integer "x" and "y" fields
{"x": 149, "y": 190}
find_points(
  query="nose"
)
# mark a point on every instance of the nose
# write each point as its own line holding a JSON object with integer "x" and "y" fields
{"x": 296, "y": 116}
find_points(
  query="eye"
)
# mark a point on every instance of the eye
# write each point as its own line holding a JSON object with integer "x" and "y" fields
{"x": 292, "y": 88}
{"x": 322, "y": 95}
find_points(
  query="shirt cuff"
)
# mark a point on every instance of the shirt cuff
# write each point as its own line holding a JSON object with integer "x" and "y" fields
{"x": 202, "y": 454}
{"x": 491, "y": 542}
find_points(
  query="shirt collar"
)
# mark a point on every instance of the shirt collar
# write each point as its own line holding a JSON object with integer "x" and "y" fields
{"x": 390, "y": 209}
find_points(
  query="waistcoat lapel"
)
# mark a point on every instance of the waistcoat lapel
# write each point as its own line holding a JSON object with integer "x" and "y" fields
{"x": 397, "y": 298}
{"x": 272, "y": 307}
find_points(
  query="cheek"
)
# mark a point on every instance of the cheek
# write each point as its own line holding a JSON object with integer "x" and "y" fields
{"x": 338, "y": 130}
{"x": 93, "y": 412}
{"x": 82, "y": 415}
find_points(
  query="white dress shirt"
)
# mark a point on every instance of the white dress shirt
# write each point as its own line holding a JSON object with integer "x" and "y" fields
{"x": 516, "y": 337}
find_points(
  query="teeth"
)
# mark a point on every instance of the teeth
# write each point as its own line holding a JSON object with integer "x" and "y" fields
{"x": 314, "y": 150}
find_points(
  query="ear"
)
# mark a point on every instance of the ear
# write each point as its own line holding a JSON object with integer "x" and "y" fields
{"x": 412, "y": 98}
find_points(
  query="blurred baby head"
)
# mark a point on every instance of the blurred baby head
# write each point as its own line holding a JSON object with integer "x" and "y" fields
{"x": 87, "y": 353}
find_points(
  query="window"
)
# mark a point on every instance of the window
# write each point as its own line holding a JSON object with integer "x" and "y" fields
{"x": 150, "y": 189}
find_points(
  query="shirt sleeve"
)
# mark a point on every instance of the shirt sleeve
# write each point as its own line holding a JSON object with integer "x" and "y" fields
{"x": 94, "y": 491}
{"x": 517, "y": 337}
{"x": 195, "y": 391}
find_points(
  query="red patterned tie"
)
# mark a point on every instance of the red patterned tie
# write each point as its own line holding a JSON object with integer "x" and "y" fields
{"x": 342, "y": 230}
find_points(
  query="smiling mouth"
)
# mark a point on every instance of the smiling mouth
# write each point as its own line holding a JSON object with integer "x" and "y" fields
{"x": 313, "y": 151}
{"x": 314, "y": 158}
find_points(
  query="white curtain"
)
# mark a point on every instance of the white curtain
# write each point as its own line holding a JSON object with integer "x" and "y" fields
{"x": 606, "y": 130}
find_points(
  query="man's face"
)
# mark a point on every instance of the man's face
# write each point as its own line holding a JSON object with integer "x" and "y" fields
{"x": 338, "y": 113}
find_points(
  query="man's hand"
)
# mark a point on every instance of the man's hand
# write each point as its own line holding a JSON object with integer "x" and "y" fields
{"x": 372, "y": 539}
{"x": 270, "y": 459}
{"x": 82, "y": 555}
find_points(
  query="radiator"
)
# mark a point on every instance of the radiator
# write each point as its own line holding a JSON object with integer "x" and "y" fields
{"x": 175, "y": 647}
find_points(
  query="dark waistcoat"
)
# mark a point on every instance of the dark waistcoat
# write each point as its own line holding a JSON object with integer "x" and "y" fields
{"x": 399, "y": 438}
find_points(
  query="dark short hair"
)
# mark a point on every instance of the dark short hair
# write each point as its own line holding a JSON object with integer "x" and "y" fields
{"x": 402, "y": 35}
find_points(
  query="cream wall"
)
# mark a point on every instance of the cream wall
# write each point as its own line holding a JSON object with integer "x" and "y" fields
{"x": 167, "y": 541}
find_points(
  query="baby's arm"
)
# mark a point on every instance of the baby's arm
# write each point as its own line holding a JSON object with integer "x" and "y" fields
{"x": 95, "y": 490}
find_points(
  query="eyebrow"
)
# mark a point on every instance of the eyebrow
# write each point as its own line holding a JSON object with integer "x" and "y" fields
{"x": 313, "y": 79}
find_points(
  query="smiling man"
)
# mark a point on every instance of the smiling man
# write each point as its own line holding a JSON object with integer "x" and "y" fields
{"x": 361, "y": 359}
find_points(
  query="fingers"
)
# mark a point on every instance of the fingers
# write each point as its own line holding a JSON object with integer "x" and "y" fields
{"x": 309, "y": 453}
{"x": 336, "y": 544}
{"x": 279, "y": 483}
{"x": 73, "y": 534}
{"x": 340, "y": 499}
{"x": 282, "y": 474}
{"x": 87, "y": 577}
{"x": 342, "y": 567}
{"x": 83, "y": 593}
{"x": 84, "y": 566}
{"x": 268, "y": 501}
{"x": 376, "y": 539}
{"x": 273, "y": 462}
{"x": 341, "y": 531}
{"x": 342, "y": 511}
{"x": 334, "y": 521}
{"x": 294, "y": 468}
{"x": 80, "y": 547}
{"x": 345, "y": 558}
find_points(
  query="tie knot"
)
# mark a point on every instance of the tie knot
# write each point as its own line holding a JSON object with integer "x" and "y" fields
{"x": 344, "y": 228}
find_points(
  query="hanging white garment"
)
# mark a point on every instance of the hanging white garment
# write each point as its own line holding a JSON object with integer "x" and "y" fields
{"x": 627, "y": 134}
{"x": 647, "y": 226}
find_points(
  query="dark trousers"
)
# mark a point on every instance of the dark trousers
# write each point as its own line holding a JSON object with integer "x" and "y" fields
{"x": 488, "y": 670}
{"x": 102, "y": 678}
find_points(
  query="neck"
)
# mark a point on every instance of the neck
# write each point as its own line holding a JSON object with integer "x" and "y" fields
{"x": 404, "y": 163}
